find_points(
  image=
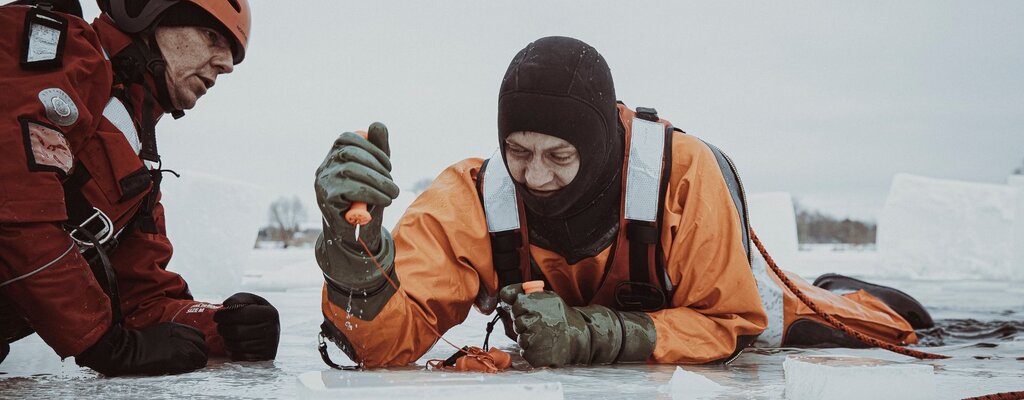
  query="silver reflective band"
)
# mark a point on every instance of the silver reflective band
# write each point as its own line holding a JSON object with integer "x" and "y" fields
{"x": 37, "y": 270}
{"x": 118, "y": 115}
{"x": 103, "y": 236}
{"x": 643, "y": 175}
{"x": 500, "y": 207}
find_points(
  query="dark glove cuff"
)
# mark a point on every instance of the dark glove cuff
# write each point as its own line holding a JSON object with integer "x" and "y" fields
{"x": 97, "y": 356}
{"x": 355, "y": 271}
{"x": 353, "y": 282}
{"x": 638, "y": 337}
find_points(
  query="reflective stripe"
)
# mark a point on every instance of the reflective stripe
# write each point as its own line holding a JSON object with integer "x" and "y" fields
{"x": 40, "y": 268}
{"x": 643, "y": 176}
{"x": 118, "y": 115}
{"x": 771, "y": 300}
{"x": 500, "y": 207}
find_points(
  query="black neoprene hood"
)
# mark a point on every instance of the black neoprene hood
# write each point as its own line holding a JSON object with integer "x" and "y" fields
{"x": 562, "y": 87}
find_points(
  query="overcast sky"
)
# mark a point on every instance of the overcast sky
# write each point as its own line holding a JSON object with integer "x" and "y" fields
{"x": 825, "y": 100}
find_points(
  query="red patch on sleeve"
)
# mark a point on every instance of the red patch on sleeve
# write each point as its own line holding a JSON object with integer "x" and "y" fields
{"x": 48, "y": 147}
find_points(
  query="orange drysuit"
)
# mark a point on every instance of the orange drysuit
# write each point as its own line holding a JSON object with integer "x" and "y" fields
{"x": 443, "y": 262}
{"x": 53, "y": 122}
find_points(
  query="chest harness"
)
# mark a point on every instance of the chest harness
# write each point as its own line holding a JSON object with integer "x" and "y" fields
{"x": 634, "y": 278}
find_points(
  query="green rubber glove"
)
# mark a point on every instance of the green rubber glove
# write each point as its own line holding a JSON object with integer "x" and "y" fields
{"x": 356, "y": 169}
{"x": 553, "y": 334}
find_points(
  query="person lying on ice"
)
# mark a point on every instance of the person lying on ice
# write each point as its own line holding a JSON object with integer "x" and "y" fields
{"x": 638, "y": 230}
{"x": 82, "y": 241}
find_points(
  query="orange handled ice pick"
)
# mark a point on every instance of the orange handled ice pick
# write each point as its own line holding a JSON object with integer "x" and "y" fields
{"x": 357, "y": 213}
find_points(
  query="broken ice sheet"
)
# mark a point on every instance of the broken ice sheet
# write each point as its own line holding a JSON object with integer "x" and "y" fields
{"x": 842, "y": 377}
{"x": 686, "y": 385}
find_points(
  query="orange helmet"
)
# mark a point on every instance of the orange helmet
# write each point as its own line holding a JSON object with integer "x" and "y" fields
{"x": 233, "y": 16}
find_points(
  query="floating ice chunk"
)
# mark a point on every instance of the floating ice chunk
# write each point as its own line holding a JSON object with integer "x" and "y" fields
{"x": 419, "y": 385}
{"x": 686, "y": 385}
{"x": 772, "y": 217}
{"x": 944, "y": 229}
{"x": 845, "y": 377}
{"x": 212, "y": 223}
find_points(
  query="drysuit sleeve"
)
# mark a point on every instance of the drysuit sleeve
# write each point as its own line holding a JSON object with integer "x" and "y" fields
{"x": 716, "y": 299}
{"x": 439, "y": 242}
{"x": 150, "y": 293}
{"x": 43, "y": 278}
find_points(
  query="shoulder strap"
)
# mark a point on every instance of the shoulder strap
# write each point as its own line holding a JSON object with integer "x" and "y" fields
{"x": 505, "y": 224}
{"x": 648, "y": 168}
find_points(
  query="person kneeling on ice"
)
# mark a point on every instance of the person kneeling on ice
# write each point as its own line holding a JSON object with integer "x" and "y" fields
{"x": 638, "y": 231}
{"x": 83, "y": 248}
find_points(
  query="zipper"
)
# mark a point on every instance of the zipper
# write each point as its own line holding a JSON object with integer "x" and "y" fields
{"x": 743, "y": 199}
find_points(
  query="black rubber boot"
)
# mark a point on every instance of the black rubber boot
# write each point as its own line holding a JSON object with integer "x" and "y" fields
{"x": 809, "y": 333}
{"x": 898, "y": 301}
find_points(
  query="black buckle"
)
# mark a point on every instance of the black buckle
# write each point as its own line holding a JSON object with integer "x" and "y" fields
{"x": 639, "y": 296}
{"x": 647, "y": 113}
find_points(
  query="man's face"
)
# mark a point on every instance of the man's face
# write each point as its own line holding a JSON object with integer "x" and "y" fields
{"x": 195, "y": 56}
{"x": 542, "y": 163}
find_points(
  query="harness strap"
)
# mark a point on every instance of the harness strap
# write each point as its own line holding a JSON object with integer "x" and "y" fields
{"x": 103, "y": 270}
{"x": 82, "y": 221}
{"x": 648, "y": 169}
{"x": 505, "y": 224}
{"x": 322, "y": 348}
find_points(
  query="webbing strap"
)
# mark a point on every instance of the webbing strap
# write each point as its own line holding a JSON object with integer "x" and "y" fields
{"x": 80, "y": 221}
{"x": 649, "y": 168}
{"x": 103, "y": 270}
{"x": 501, "y": 210}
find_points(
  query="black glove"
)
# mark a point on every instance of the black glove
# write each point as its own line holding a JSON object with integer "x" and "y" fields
{"x": 250, "y": 326}
{"x": 356, "y": 169}
{"x": 164, "y": 348}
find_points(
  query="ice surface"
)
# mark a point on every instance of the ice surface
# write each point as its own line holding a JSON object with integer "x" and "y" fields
{"x": 942, "y": 229}
{"x": 772, "y": 217}
{"x": 212, "y": 223}
{"x": 686, "y": 385}
{"x": 423, "y": 385}
{"x": 32, "y": 370}
{"x": 838, "y": 377}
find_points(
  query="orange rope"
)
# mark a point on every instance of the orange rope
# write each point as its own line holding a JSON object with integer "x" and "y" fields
{"x": 832, "y": 320}
{"x": 475, "y": 359}
{"x": 1000, "y": 396}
